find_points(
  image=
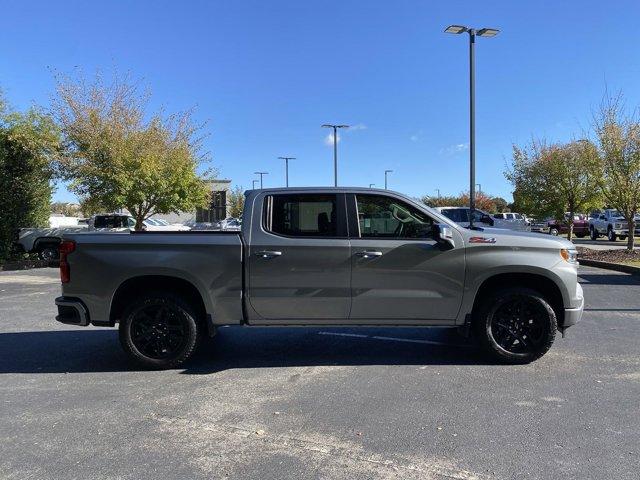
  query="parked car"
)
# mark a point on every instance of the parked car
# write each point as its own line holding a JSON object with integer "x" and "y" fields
{"x": 611, "y": 223}
{"x": 322, "y": 256}
{"x": 461, "y": 216}
{"x": 519, "y": 221}
{"x": 580, "y": 225}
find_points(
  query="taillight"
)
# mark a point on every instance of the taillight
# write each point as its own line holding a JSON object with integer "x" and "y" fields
{"x": 65, "y": 248}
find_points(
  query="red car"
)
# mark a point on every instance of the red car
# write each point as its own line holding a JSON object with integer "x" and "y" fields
{"x": 580, "y": 226}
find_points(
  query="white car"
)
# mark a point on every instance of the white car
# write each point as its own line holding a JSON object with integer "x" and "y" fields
{"x": 461, "y": 216}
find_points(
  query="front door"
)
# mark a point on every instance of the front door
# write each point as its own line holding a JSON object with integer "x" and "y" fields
{"x": 399, "y": 272}
{"x": 299, "y": 269}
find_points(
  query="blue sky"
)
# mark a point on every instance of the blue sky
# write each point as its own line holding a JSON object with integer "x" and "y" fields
{"x": 267, "y": 74}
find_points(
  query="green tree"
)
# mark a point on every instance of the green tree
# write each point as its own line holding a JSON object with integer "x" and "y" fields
{"x": 29, "y": 145}
{"x": 483, "y": 202}
{"x": 550, "y": 180}
{"x": 618, "y": 134}
{"x": 236, "y": 202}
{"x": 119, "y": 155}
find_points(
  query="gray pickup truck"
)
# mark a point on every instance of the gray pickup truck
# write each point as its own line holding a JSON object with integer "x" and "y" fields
{"x": 322, "y": 256}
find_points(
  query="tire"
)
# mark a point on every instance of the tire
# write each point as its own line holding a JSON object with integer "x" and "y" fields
{"x": 622, "y": 237}
{"x": 553, "y": 231}
{"x": 581, "y": 235}
{"x": 593, "y": 233}
{"x": 49, "y": 253}
{"x": 611, "y": 236}
{"x": 159, "y": 331}
{"x": 518, "y": 342}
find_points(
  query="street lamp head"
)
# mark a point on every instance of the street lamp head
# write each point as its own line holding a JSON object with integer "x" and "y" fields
{"x": 326, "y": 125}
{"x": 488, "y": 32}
{"x": 388, "y": 171}
{"x": 286, "y": 158}
{"x": 456, "y": 29}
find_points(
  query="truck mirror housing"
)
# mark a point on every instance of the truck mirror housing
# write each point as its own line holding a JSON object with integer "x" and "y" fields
{"x": 443, "y": 235}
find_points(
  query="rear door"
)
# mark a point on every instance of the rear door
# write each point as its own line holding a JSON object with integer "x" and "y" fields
{"x": 299, "y": 269}
{"x": 399, "y": 272}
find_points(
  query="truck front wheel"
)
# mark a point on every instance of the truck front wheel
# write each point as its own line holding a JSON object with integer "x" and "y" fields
{"x": 593, "y": 233}
{"x": 611, "y": 235}
{"x": 515, "y": 325}
{"x": 159, "y": 331}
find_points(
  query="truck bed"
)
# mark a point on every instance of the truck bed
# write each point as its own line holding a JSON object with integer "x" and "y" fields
{"x": 209, "y": 260}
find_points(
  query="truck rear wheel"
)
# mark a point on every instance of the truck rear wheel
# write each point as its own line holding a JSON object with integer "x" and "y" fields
{"x": 159, "y": 331}
{"x": 515, "y": 325}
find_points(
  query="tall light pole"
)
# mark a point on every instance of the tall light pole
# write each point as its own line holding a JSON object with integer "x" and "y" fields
{"x": 371, "y": 185}
{"x": 385, "y": 177}
{"x": 254, "y": 183}
{"x": 479, "y": 185}
{"x": 335, "y": 149}
{"x": 286, "y": 168}
{"x": 483, "y": 32}
{"x": 261, "y": 174}
{"x": 438, "y": 190}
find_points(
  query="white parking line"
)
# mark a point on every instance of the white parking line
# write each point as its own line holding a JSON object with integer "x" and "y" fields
{"x": 394, "y": 339}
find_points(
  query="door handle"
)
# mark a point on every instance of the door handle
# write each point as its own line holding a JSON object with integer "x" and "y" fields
{"x": 369, "y": 254}
{"x": 267, "y": 254}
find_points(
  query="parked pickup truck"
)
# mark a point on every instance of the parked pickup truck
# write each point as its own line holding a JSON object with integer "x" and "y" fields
{"x": 580, "y": 225}
{"x": 45, "y": 241}
{"x": 610, "y": 223}
{"x": 322, "y": 256}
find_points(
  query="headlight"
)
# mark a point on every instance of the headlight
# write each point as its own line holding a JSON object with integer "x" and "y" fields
{"x": 570, "y": 256}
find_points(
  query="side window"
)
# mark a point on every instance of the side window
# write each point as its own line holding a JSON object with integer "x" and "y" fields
{"x": 303, "y": 215}
{"x": 519, "y": 216}
{"x": 458, "y": 215}
{"x": 386, "y": 217}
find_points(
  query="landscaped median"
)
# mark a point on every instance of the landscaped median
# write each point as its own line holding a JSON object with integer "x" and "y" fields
{"x": 619, "y": 260}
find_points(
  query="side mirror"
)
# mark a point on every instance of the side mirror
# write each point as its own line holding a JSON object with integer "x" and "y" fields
{"x": 443, "y": 235}
{"x": 487, "y": 220}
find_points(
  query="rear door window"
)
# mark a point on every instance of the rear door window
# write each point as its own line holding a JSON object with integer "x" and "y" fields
{"x": 302, "y": 215}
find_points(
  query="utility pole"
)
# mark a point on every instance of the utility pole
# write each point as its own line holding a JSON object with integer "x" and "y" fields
{"x": 479, "y": 185}
{"x": 261, "y": 174}
{"x": 286, "y": 168}
{"x": 335, "y": 149}
{"x": 385, "y": 177}
{"x": 483, "y": 32}
{"x": 438, "y": 190}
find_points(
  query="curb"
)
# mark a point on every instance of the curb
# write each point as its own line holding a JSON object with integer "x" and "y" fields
{"x": 618, "y": 267}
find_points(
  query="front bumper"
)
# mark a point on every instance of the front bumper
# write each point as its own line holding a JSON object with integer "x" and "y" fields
{"x": 72, "y": 311}
{"x": 574, "y": 314}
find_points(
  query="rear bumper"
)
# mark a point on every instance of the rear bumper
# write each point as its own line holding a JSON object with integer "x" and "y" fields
{"x": 72, "y": 311}
{"x": 574, "y": 315}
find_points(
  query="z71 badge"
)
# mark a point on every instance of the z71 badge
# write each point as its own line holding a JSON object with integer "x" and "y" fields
{"x": 482, "y": 240}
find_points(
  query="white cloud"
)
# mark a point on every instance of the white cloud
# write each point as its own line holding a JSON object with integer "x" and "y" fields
{"x": 454, "y": 149}
{"x": 357, "y": 126}
{"x": 328, "y": 140}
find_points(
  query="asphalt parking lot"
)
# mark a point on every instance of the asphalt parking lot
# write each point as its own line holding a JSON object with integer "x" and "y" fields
{"x": 319, "y": 403}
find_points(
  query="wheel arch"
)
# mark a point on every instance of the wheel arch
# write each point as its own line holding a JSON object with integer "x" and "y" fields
{"x": 539, "y": 283}
{"x": 135, "y": 286}
{"x": 40, "y": 241}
